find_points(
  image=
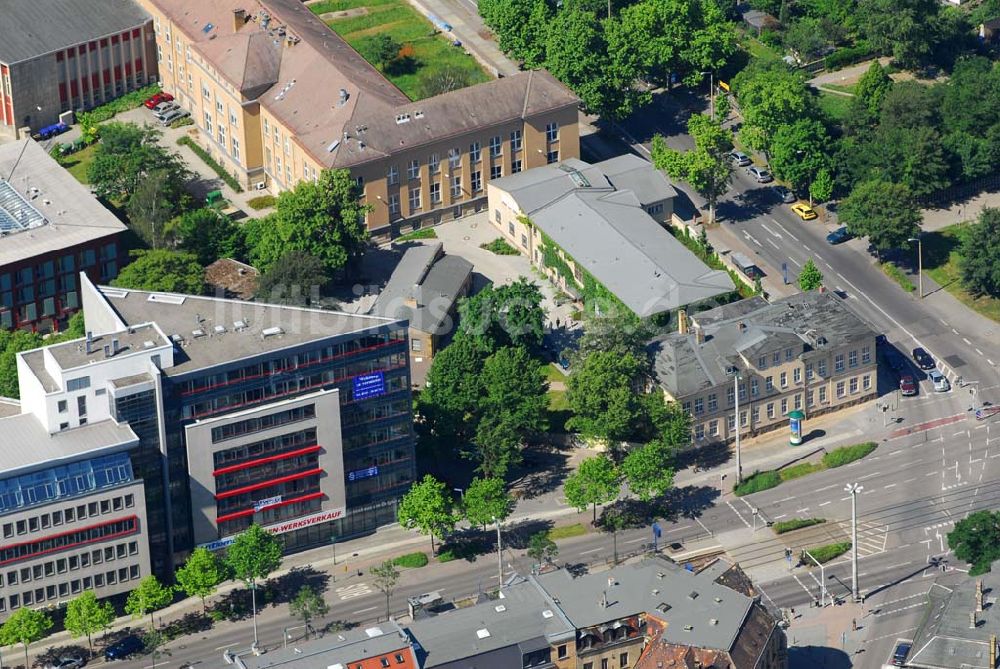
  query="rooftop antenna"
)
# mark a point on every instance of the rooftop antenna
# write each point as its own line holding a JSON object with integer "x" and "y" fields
{"x": 20, "y": 155}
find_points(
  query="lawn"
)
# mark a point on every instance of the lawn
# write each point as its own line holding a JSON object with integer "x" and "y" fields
{"x": 432, "y": 52}
{"x": 559, "y": 411}
{"x": 760, "y": 50}
{"x": 941, "y": 262}
{"x": 567, "y": 531}
{"x": 553, "y": 373}
{"x": 78, "y": 163}
{"x": 843, "y": 88}
{"x": 836, "y": 107}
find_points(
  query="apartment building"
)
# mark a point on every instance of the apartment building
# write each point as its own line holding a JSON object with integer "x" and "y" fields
{"x": 591, "y": 228}
{"x": 808, "y": 353}
{"x": 278, "y": 97}
{"x": 51, "y": 228}
{"x": 375, "y": 647}
{"x": 55, "y": 59}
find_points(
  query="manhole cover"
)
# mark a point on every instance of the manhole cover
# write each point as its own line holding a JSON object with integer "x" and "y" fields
{"x": 955, "y": 361}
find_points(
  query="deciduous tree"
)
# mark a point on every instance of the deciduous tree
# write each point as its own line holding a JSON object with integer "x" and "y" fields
{"x": 872, "y": 88}
{"x": 799, "y": 151}
{"x": 596, "y": 481}
{"x": 253, "y": 555}
{"x": 163, "y": 270}
{"x": 900, "y": 28}
{"x": 810, "y": 278}
{"x": 308, "y": 605}
{"x": 884, "y": 212}
{"x": 603, "y": 396}
{"x": 427, "y": 506}
{"x": 385, "y": 576}
{"x": 980, "y": 255}
{"x": 541, "y": 548}
{"x": 707, "y": 168}
{"x": 207, "y": 234}
{"x": 85, "y": 616}
{"x": 486, "y": 500}
{"x": 511, "y": 314}
{"x": 976, "y": 539}
{"x": 147, "y": 597}
{"x": 770, "y": 96}
{"x": 294, "y": 278}
{"x": 648, "y": 470}
{"x": 201, "y": 574}
{"x": 454, "y": 389}
{"x": 25, "y": 626}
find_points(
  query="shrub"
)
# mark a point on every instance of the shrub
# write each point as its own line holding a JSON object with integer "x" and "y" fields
{"x": 795, "y": 524}
{"x": 824, "y": 554}
{"x": 847, "y": 55}
{"x": 893, "y": 272}
{"x": 422, "y": 233}
{"x": 500, "y": 247}
{"x": 847, "y": 454}
{"x": 119, "y": 105}
{"x": 262, "y": 202}
{"x": 799, "y": 470}
{"x": 411, "y": 560}
{"x": 446, "y": 555}
{"x": 211, "y": 162}
{"x": 181, "y": 122}
{"x": 757, "y": 482}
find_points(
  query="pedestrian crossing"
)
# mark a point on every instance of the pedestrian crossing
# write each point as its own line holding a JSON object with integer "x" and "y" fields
{"x": 872, "y": 536}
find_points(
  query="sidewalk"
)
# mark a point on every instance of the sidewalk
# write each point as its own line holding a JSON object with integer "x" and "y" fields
{"x": 936, "y": 219}
{"x": 823, "y": 638}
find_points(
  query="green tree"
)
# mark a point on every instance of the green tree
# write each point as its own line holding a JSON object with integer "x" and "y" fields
{"x": 323, "y": 218}
{"x": 810, "y": 278}
{"x": 707, "y": 168}
{"x": 308, "y": 605}
{"x": 85, "y": 616}
{"x": 487, "y": 500}
{"x": 900, "y": 28}
{"x": 520, "y": 27}
{"x": 602, "y": 395}
{"x": 385, "y": 576}
{"x": 884, "y": 212}
{"x": 770, "y": 96}
{"x": 509, "y": 315}
{"x": 443, "y": 80}
{"x": 872, "y": 88}
{"x": 382, "y": 49}
{"x": 253, "y": 555}
{"x": 976, "y": 539}
{"x": 24, "y": 626}
{"x": 806, "y": 38}
{"x": 207, "y": 234}
{"x": 799, "y": 152}
{"x": 129, "y": 155}
{"x": 596, "y": 481}
{"x": 979, "y": 253}
{"x": 450, "y": 400}
{"x": 648, "y": 470}
{"x": 12, "y": 343}
{"x": 201, "y": 574}
{"x": 147, "y": 597}
{"x": 498, "y": 444}
{"x": 821, "y": 188}
{"x": 541, "y": 548}
{"x": 163, "y": 270}
{"x": 620, "y": 332}
{"x": 665, "y": 421}
{"x": 151, "y": 207}
{"x": 427, "y": 506}
{"x": 294, "y": 278}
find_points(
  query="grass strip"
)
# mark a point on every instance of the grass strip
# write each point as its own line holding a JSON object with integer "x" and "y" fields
{"x": 772, "y": 478}
{"x": 567, "y": 531}
{"x": 228, "y": 178}
{"x": 824, "y": 554}
{"x": 411, "y": 560}
{"x": 422, "y": 233}
{"x": 847, "y": 454}
{"x": 783, "y": 526}
{"x": 892, "y": 271}
{"x": 500, "y": 247}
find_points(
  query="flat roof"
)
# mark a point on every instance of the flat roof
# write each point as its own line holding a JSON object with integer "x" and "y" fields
{"x": 246, "y": 328}
{"x": 45, "y": 208}
{"x": 334, "y": 651}
{"x": 27, "y": 444}
{"x": 31, "y": 28}
{"x": 73, "y": 354}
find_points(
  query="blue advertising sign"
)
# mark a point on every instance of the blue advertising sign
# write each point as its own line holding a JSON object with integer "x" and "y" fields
{"x": 363, "y": 474}
{"x": 369, "y": 385}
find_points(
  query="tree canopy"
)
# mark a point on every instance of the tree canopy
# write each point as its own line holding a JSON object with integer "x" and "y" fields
{"x": 770, "y": 96}
{"x": 511, "y": 314}
{"x": 596, "y": 481}
{"x": 648, "y": 470}
{"x": 163, "y": 270}
{"x": 24, "y": 626}
{"x": 201, "y": 574}
{"x": 254, "y": 554}
{"x": 208, "y": 235}
{"x": 976, "y": 539}
{"x": 602, "y": 394}
{"x": 707, "y": 168}
{"x": 884, "y": 212}
{"x": 810, "y": 278}
{"x": 980, "y": 255}
{"x": 486, "y": 500}
{"x": 147, "y": 597}
{"x": 85, "y": 616}
{"x": 294, "y": 278}
{"x": 428, "y": 508}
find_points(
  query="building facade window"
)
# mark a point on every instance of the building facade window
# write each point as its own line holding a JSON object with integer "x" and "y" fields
{"x": 838, "y": 363}
{"x": 415, "y": 199}
{"x": 699, "y": 406}
{"x": 475, "y": 152}
{"x": 413, "y": 169}
{"x": 496, "y": 147}
{"x": 394, "y": 204}
{"x": 552, "y": 157}
{"x": 515, "y": 140}
{"x": 515, "y": 166}
{"x": 713, "y": 402}
{"x": 496, "y": 171}
{"x": 392, "y": 175}
{"x": 436, "y": 192}
{"x": 852, "y": 359}
{"x": 477, "y": 181}
{"x": 434, "y": 163}
{"x": 552, "y": 132}
{"x": 456, "y": 186}
{"x": 866, "y": 354}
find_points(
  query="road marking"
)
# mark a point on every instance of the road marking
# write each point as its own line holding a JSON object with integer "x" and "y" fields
{"x": 635, "y": 541}
{"x": 780, "y": 517}
{"x": 841, "y": 276}
{"x": 228, "y": 645}
{"x": 991, "y": 362}
{"x": 795, "y": 262}
{"x": 370, "y": 608}
{"x": 802, "y": 510}
{"x": 730, "y": 505}
{"x": 931, "y": 474}
{"x": 789, "y": 499}
{"x": 352, "y": 591}
{"x": 893, "y": 635}
{"x": 954, "y": 330}
{"x": 773, "y": 244}
{"x": 592, "y": 550}
{"x": 772, "y": 232}
{"x": 979, "y": 352}
{"x": 806, "y": 247}
{"x": 868, "y": 476}
{"x": 943, "y": 321}
{"x": 891, "y": 485}
{"x": 967, "y": 342}
{"x": 825, "y": 503}
{"x": 909, "y": 480}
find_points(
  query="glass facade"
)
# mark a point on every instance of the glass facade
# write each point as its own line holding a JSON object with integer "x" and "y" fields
{"x": 63, "y": 482}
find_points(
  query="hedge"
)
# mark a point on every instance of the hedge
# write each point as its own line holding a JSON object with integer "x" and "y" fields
{"x": 847, "y": 454}
{"x": 824, "y": 554}
{"x": 847, "y": 55}
{"x": 795, "y": 524}
{"x": 799, "y": 470}
{"x": 500, "y": 247}
{"x": 119, "y": 105}
{"x": 757, "y": 482}
{"x": 211, "y": 162}
{"x": 262, "y": 202}
{"x": 411, "y": 560}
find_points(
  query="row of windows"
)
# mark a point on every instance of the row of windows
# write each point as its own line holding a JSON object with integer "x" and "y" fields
{"x": 64, "y": 481}
{"x": 84, "y": 535}
{"x": 70, "y": 563}
{"x": 373, "y": 412}
{"x": 68, "y": 515}
{"x": 287, "y": 490}
{"x": 267, "y": 471}
{"x": 455, "y": 157}
{"x": 789, "y": 355}
{"x": 261, "y": 423}
{"x": 62, "y": 265}
{"x": 66, "y": 589}
{"x": 384, "y": 661}
{"x": 270, "y": 515}
{"x": 377, "y": 435}
{"x": 264, "y": 448}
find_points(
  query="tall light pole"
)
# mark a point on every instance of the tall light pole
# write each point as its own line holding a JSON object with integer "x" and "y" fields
{"x": 736, "y": 394}
{"x": 499, "y": 555}
{"x": 711, "y": 93}
{"x": 920, "y": 264}
{"x": 822, "y": 579}
{"x": 853, "y": 489}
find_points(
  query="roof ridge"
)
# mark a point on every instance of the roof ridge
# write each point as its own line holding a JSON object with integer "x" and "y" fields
{"x": 527, "y": 94}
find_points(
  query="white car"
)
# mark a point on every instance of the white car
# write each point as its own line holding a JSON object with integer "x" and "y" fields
{"x": 67, "y": 663}
{"x": 164, "y": 107}
{"x": 941, "y": 384}
{"x": 173, "y": 115}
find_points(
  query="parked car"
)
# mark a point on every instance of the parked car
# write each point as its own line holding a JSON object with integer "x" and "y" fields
{"x": 51, "y": 131}
{"x": 941, "y": 384}
{"x": 923, "y": 358}
{"x": 760, "y": 175}
{"x": 72, "y": 662}
{"x": 899, "y": 655}
{"x": 164, "y": 108}
{"x": 838, "y": 236}
{"x": 172, "y": 116}
{"x": 907, "y": 386}
{"x": 157, "y": 99}
{"x": 784, "y": 194}
{"x": 739, "y": 158}
{"x": 804, "y": 211}
{"x": 123, "y": 648}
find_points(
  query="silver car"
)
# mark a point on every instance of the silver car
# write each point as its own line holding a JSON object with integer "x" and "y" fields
{"x": 760, "y": 175}
{"x": 739, "y": 158}
{"x": 941, "y": 384}
{"x": 164, "y": 107}
{"x": 173, "y": 115}
{"x": 73, "y": 662}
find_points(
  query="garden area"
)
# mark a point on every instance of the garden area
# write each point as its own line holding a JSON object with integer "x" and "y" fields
{"x": 943, "y": 263}
{"x": 402, "y": 44}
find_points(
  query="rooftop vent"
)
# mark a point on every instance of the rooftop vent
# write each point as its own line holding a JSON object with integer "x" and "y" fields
{"x": 148, "y": 344}
{"x": 272, "y": 331}
{"x": 219, "y": 329}
{"x": 547, "y": 613}
{"x": 499, "y": 608}
{"x": 660, "y": 574}
{"x": 483, "y": 633}
{"x": 688, "y": 628}
{"x": 402, "y": 118}
{"x": 718, "y": 600}
{"x": 713, "y": 621}
{"x": 663, "y": 607}
{"x": 240, "y": 325}
{"x": 333, "y": 146}
{"x": 197, "y": 333}
{"x": 176, "y": 338}
{"x": 165, "y": 299}
{"x": 373, "y": 632}
{"x": 418, "y": 114}
{"x": 656, "y": 591}
{"x": 343, "y": 97}
{"x": 693, "y": 595}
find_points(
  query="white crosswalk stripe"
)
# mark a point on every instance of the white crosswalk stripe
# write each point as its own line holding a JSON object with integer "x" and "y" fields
{"x": 871, "y": 537}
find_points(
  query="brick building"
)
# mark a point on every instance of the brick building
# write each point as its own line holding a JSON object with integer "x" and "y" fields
{"x": 278, "y": 97}
{"x": 56, "y": 57}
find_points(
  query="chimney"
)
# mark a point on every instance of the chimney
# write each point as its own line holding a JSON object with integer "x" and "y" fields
{"x": 343, "y": 97}
{"x": 699, "y": 334}
{"x": 107, "y": 351}
{"x": 90, "y": 342}
{"x": 239, "y": 18}
{"x": 979, "y": 596}
{"x": 114, "y": 346}
{"x": 682, "y": 321}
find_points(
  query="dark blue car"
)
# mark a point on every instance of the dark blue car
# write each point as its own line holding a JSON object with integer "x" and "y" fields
{"x": 123, "y": 648}
{"x": 50, "y": 131}
{"x": 838, "y": 236}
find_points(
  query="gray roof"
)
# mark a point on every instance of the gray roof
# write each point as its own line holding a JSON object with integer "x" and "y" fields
{"x": 72, "y": 215}
{"x": 27, "y": 444}
{"x": 430, "y": 281}
{"x": 945, "y": 638}
{"x": 631, "y": 172}
{"x": 802, "y": 322}
{"x": 600, "y": 222}
{"x": 521, "y": 616}
{"x": 180, "y": 314}
{"x": 658, "y": 587}
{"x": 32, "y": 28}
{"x": 334, "y": 651}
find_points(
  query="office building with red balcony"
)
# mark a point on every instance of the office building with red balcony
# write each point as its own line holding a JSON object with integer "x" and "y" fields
{"x": 57, "y": 57}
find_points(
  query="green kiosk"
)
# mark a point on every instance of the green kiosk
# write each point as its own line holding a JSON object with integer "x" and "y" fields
{"x": 795, "y": 419}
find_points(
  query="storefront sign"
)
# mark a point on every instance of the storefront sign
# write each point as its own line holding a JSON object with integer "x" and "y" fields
{"x": 363, "y": 474}
{"x": 264, "y": 503}
{"x": 369, "y": 385}
{"x": 281, "y": 528}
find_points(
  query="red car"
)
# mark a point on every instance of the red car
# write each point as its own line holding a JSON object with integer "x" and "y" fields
{"x": 157, "y": 99}
{"x": 907, "y": 385}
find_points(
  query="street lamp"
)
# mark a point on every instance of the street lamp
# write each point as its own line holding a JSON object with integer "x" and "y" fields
{"x": 853, "y": 489}
{"x": 736, "y": 394}
{"x": 711, "y": 92}
{"x": 920, "y": 263}
{"x": 499, "y": 556}
{"x": 822, "y": 579}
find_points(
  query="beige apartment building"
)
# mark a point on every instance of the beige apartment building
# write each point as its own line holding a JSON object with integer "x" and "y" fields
{"x": 808, "y": 352}
{"x": 277, "y": 97}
